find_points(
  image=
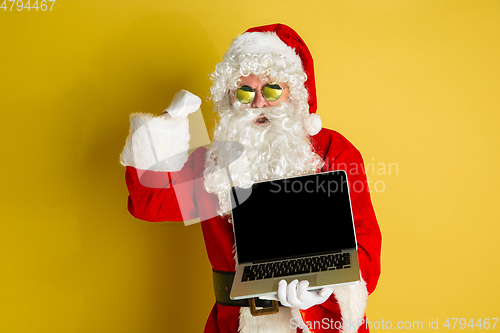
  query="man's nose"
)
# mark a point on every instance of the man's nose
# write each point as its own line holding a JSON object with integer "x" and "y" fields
{"x": 259, "y": 101}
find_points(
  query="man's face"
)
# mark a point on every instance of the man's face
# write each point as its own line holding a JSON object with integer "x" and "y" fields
{"x": 272, "y": 133}
{"x": 259, "y": 101}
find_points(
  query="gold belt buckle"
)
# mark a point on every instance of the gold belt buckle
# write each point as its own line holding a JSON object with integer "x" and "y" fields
{"x": 264, "y": 311}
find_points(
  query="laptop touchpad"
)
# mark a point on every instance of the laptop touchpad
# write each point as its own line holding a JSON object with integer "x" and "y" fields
{"x": 309, "y": 277}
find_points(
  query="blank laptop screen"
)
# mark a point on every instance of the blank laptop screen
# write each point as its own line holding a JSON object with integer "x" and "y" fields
{"x": 293, "y": 217}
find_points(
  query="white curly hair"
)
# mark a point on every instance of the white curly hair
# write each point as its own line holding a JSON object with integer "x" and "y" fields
{"x": 250, "y": 54}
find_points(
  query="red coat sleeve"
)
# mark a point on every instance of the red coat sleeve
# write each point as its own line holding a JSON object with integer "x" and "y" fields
{"x": 157, "y": 196}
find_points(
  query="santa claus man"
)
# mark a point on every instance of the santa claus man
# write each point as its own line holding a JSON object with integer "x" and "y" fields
{"x": 265, "y": 96}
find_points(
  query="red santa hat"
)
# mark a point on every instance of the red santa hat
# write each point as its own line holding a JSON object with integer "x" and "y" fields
{"x": 282, "y": 40}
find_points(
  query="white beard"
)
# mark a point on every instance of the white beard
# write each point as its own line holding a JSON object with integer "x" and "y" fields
{"x": 278, "y": 148}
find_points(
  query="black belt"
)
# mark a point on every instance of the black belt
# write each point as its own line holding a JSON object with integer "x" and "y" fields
{"x": 223, "y": 281}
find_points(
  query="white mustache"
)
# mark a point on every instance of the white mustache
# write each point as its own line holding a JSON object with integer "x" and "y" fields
{"x": 273, "y": 114}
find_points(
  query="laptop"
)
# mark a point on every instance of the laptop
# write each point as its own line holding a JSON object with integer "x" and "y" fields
{"x": 293, "y": 228}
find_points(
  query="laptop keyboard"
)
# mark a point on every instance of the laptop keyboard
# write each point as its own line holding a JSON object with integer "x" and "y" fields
{"x": 296, "y": 266}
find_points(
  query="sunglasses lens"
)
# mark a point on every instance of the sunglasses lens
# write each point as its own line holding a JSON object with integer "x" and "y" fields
{"x": 272, "y": 92}
{"x": 245, "y": 94}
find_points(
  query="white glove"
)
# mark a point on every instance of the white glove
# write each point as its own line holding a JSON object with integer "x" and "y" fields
{"x": 183, "y": 104}
{"x": 296, "y": 294}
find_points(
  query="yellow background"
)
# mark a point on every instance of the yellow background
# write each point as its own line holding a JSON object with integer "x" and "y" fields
{"x": 411, "y": 82}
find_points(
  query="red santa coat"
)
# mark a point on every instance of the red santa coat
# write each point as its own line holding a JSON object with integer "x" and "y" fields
{"x": 180, "y": 196}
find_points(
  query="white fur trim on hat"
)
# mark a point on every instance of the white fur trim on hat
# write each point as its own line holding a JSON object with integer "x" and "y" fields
{"x": 313, "y": 124}
{"x": 156, "y": 143}
{"x": 263, "y": 43}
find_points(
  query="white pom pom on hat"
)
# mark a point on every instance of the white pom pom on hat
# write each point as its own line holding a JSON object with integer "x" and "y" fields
{"x": 313, "y": 124}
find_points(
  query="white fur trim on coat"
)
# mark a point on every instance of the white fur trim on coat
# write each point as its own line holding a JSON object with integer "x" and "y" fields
{"x": 352, "y": 299}
{"x": 273, "y": 323}
{"x": 313, "y": 124}
{"x": 263, "y": 43}
{"x": 156, "y": 143}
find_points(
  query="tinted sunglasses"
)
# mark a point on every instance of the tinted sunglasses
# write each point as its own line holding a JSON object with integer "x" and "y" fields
{"x": 271, "y": 92}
